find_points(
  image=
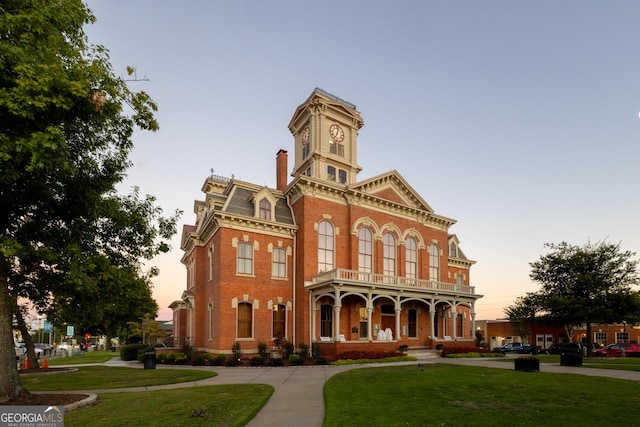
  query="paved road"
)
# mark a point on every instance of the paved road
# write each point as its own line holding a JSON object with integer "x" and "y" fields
{"x": 299, "y": 390}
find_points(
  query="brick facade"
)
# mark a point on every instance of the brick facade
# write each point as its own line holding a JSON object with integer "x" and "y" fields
{"x": 234, "y": 253}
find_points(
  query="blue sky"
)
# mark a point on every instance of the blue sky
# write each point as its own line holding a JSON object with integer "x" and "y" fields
{"x": 518, "y": 119}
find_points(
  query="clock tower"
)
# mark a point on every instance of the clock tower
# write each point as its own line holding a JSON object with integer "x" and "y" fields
{"x": 325, "y": 129}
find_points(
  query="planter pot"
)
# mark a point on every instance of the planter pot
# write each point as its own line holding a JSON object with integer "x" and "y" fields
{"x": 527, "y": 365}
{"x": 570, "y": 360}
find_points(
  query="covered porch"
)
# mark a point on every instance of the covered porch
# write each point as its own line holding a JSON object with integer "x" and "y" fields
{"x": 353, "y": 310}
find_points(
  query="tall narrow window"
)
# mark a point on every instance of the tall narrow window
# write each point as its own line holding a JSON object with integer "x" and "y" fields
{"x": 265, "y": 209}
{"x": 279, "y": 312}
{"x": 211, "y": 262}
{"x": 460, "y": 326}
{"x": 413, "y": 323}
{"x": 453, "y": 250}
{"x": 365, "y": 250}
{"x": 245, "y": 320}
{"x": 210, "y": 320}
{"x": 325, "y": 246}
{"x": 389, "y": 264}
{"x": 342, "y": 176}
{"x": 364, "y": 322}
{"x": 326, "y": 320}
{"x": 411, "y": 258}
{"x": 434, "y": 262}
{"x": 279, "y": 263}
{"x": 331, "y": 173}
{"x": 245, "y": 258}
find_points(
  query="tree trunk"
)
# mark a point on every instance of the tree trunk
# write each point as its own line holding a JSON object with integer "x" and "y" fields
{"x": 26, "y": 336}
{"x": 589, "y": 346}
{"x": 10, "y": 386}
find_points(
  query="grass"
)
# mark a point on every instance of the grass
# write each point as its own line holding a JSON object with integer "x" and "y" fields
{"x": 474, "y": 396}
{"x": 219, "y": 405}
{"x": 105, "y": 377}
{"x": 88, "y": 357}
{"x": 617, "y": 363}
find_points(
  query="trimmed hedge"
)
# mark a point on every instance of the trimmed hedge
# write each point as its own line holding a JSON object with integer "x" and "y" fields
{"x": 130, "y": 351}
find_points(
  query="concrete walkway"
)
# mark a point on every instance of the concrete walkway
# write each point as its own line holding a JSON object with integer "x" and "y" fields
{"x": 299, "y": 391}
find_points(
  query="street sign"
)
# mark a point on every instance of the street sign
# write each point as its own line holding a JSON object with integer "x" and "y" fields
{"x": 70, "y": 330}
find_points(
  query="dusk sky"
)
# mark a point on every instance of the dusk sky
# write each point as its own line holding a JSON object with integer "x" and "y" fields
{"x": 517, "y": 119}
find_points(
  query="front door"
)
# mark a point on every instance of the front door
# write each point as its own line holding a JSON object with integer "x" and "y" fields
{"x": 389, "y": 321}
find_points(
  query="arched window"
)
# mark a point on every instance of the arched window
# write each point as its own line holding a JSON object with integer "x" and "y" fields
{"x": 326, "y": 320}
{"x": 453, "y": 250}
{"x": 434, "y": 262}
{"x": 279, "y": 321}
{"x": 411, "y": 262}
{"x": 245, "y": 258}
{"x": 325, "y": 246}
{"x": 245, "y": 320}
{"x": 389, "y": 264}
{"x": 365, "y": 250}
{"x": 265, "y": 209}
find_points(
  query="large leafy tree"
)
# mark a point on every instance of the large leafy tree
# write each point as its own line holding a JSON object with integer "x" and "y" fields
{"x": 66, "y": 125}
{"x": 582, "y": 285}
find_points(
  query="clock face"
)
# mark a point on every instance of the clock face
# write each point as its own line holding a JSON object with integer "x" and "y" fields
{"x": 336, "y": 133}
{"x": 305, "y": 134}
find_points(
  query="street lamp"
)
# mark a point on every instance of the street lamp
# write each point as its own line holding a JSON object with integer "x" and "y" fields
{"x": 624, "y": 329}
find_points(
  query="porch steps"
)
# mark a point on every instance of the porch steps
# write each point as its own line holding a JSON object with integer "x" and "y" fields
{"x": 422, "y": 353}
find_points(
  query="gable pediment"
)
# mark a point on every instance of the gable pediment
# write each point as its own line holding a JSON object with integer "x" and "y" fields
{"x": 393, "y": 187}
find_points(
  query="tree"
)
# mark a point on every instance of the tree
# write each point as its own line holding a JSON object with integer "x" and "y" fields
{"x": 147, "y": 328}
{"x": 66, "y": 125}
{"x": 584, "y": 285}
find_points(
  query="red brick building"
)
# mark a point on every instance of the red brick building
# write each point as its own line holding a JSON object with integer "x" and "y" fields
{"x": 324, "y": 258}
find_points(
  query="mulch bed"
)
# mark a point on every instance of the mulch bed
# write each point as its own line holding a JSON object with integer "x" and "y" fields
{"x": 46, "y": 399}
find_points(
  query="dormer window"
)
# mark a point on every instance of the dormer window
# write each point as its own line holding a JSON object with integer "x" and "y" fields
{"x": 265, "y": 209}
{"x": 453, "y": 250}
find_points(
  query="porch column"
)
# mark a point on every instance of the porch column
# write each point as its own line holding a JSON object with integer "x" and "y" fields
{"x": 434, "y": 333}
{"x": 369, "y": 328}
{"x": 336, "y": 319}
{"x": 313, "y": 319}
{"x": 454, "y": 322}
{"x": 473, "y": 320}
{"x": 398, "y": 311}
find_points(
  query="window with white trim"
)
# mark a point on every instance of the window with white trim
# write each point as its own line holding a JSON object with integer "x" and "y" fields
{"x": 279, "y": 263}
{"x": 245, "y": 258}
{"x": 326, "y": 242}
{"x": 411, "y": 258}
{"x": 365, "y": 250}
{"x": 389, "y": 254}
{"x": 245, "y": 320}
{"x": 434, "y": 262}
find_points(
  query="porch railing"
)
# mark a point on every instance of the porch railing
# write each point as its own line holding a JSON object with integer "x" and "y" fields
{"x": 354, "y": 277}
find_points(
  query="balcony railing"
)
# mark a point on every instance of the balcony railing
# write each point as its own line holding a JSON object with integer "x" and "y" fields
{"x": 353, "y": 277}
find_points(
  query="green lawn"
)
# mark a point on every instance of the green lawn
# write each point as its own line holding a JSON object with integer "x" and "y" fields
{"x": 219, "y": 405}
{"x": 88, "y": 357}
{"x": 105, "y": 377}
{"x": 455, "y": 395}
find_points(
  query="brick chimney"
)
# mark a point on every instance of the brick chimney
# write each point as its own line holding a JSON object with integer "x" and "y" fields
{"x": 281, "y": 169}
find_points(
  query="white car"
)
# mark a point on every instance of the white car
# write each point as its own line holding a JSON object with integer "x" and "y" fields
{"x": 22, "y": 351}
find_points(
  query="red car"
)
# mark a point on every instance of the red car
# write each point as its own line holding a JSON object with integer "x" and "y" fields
{"x": 615, "y": 350}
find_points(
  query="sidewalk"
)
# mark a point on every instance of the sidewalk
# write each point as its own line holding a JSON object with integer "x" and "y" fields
{"x": 299, "y": 391}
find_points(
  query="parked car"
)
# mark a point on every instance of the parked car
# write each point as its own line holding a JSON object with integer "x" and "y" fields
{"x": 566, "y": 348}
{"x": 46, "y": 348}
{"x": 615, "y": 350}
{"x": 20, "y": 351}
{"x": 515, "y": 348}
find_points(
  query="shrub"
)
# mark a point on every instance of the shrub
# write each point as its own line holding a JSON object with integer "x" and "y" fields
{"x": 315, "y": 351}
{"x": 446, "y": 351}
{"x": 360, "y": 354}
{"x": 262, "y": 349}
{"x": 180, "y": 358}
{"x": 257, "y": 360}
{"x": 304, "y": 350}
{"x": 130, "y": 351}
{"x": 219, "y": 360}
{"x": 237, "y": 351}
{"x": 201, "y": 359}
{"x": 289, "y": 349}
{"x": 161, "y": 358}
{"x": 295, "y": 359}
